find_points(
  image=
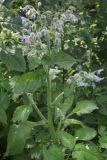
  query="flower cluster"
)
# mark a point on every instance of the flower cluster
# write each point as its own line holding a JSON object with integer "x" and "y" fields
{"x": 43, "y": 35}
{"x": 84, "y": 79}
{"x": 30, "y": 12}
{"x": 67, "y": 17}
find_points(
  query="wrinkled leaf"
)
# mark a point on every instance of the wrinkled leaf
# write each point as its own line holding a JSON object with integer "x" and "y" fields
{"x": 69, "y": 122}
{"x": 63, "y": 60}
{"x": 17, "y": 138}
{"x": 85, "y": 133}
{"x": 67, "y": 140}
{"x": 14, "y": 62}
{"x": 53, "y": 153}
{"x": 86, "y": 152}
{"x": 34, "y": 62}
{"x": 22, "y": 113}
{"x": 28, "y": 82}
{"x": 84, "y": 107}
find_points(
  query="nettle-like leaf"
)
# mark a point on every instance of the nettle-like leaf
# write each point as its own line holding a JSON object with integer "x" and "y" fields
{"x": 63, "y": 60}
{"x": 84, "y": 107}
{"x": 85, "y": 133}
{"x": 14, "y": 62}
{"x": 17, "y": 138}
{"x": 22, "y": 113}
{"x": 53, "y": 153}
{"x": 67, "y": 140}
{"x": 28, "y": 82}
{"x": 86, "y": 152}
{"x": 103, "y": 141}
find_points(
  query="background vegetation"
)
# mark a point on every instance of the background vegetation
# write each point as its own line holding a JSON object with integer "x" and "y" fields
{"x": 53, "y": 86}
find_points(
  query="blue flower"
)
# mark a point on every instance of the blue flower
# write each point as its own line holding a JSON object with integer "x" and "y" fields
{"x": 83, "y": 84}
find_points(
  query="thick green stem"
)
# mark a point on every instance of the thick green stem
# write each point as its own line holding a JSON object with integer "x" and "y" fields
{"x": 35, "y": 107}
{"x": 49, "y": 101}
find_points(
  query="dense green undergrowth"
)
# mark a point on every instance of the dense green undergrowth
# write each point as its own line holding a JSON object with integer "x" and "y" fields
{"x": 53, "y": 87}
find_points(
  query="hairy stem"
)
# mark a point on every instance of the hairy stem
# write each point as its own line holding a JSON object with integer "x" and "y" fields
{"x": 35, "y": 107}
{"x": 49, "y": 100}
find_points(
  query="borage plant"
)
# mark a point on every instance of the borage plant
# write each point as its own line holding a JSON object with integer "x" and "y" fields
{"x": 49, "y": 88}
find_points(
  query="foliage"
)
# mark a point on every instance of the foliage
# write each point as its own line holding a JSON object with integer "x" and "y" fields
{"x": 53, "y": 70}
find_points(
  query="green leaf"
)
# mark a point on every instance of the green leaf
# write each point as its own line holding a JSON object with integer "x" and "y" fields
{"x": 22, "y": 113}
{"x": 84, "y": 107}
{"x": 4, "y": 100}
{"x": 14, "y": 62}
{"x": 4, "y": 83}
{"x": 58, "y": 99}
{"x": 3, "y": 117}
{"x": 53, "y": 153}
{"x": 63, "y": 60}
{"x": 67, "y": 140}
{"x": 17, "y": 138}
{"x": 69, "y": 122}
{"x": 22, "y": 156}
{"x": 86, "y": 152}
{"x": 28, "y": 82}
{"x": 11, "y": 19}
{"x": 8, "y": 3}
{"x": 34, "y": 62}
{"x": 85, "y": 133}
{"x": 103, "y": 141}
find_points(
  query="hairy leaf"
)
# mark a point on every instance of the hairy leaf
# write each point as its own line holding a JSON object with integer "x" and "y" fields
{"x": 22, "y": 113}
{"x": 67, "y": 140}
{"x": 84, "y": 107}
{"x": 14, "y": 62}
{"x": 53, "y": 153}
{"x": 28, "y": 82}
{"x": 86, "y": 152}
{"x": 17, "y": 138}
{"x": 85, "y": 133}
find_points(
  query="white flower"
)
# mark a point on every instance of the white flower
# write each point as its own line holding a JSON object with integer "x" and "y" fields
{"x": 39, "y": 4}
{"x": 99, "y": 71}
{"x": 53, "y": 73}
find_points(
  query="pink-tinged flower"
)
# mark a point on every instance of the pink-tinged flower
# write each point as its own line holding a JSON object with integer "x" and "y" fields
{"x": 25, "y": 38}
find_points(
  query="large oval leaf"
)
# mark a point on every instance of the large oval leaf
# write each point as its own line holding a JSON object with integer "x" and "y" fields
{"x": 3, "y": 117}
{"x": 103, "y": 141}
{"x": 84, "y": 107}
{"x": 4, "y": 100}
{"x": 85, "y": 133}
{"x": 67, "y": 140}
{"x": 22, "y": 113}
{"x": 28, "y": 82}
{"x": 86, "y": 152}
{"x": 53, "y": 153}
{"x": 17, "y": 138}
{"x": 63, "y": 60}
{"x": 14, "y": 62}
